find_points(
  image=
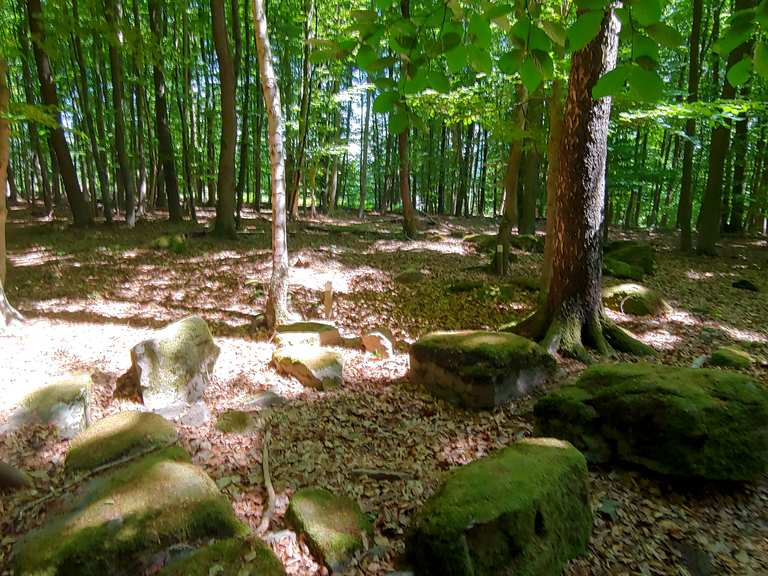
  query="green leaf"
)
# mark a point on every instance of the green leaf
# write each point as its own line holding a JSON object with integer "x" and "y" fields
{"x": 645, "y": 85}
{"x": 646, "y": 12}
{"x": 761, "y": 59}
{"x": 665, "y": 35}
{"x": 591, "y": 4}
{"x": 584, "y": 30}
{"x": 544, "y": 63}
{"x": 520, "y": 30}
{"x": 740, "y": 72}
{"x": 644, "y": 46}
{"x": 761, "y": 15}
{"x": 611, "y": 83}
{"x": 498, "y": 10}
{"x": 322, "y": 55}
{"x": 555, "y": 31}
{"x": 384, "y": 5}
{"x": 403, "y": 27}
{"x": 384, "y": 83}
{"x": 539, "y": 40}
{"x": 381, "y": 64}
{"x": 366, "y": 56}
{"x": 480, "y": 59}
{"x": 457, "y": 59}
{"x": 480, "y": 28}
{"x": 418, "y": 83}
{"x": 385, "y": 102}
{"x": 398, "y": 122}
{"x": 735, "y": 36}
{"x": 510, "y": 62}
{"x": 439, "y": 82}
{"x": 530, "y": 75}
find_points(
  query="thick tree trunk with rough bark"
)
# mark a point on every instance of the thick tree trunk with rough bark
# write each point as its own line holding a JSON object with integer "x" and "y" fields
{"x": 81, "y": 212}
{"x": 572, "y": 314}
{"x": 277, "y": 299}
{"x": 225, "y": 207}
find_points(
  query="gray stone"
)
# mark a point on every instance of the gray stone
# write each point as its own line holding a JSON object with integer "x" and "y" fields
{"x": 313, "y": 367}
{"x": 635, "y": 299}
{"x": 262, "y": 399}
{"x": 523, "y": 510}
{"x": 327, "y": 332}
{"x": 477, "y": 369}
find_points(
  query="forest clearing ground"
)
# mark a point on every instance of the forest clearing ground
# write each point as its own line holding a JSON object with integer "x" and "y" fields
{"x": 91, "y": 295}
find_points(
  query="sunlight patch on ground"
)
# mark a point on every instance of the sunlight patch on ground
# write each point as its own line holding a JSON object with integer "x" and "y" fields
{"x": 344, "y": 280}
{"x": 34, "y": 257}
{"x": 448, "y": 246}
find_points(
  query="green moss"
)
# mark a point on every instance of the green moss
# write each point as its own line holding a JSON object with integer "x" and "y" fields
{"x": 235, "y": 422}
{"x": 116, "y": 436}
{"x": 483, "y": 242}
{"x": 234, "y": 556}
{"x": 678, "y": 421}
{"x": 633, "y": 252}
{"x": 69, "y": 390}
{"x": 635, "y": 299}
{"x": 622, "y": 270}
{"x": 463, "y": 286}
{"x": 333, "y": 525}
{"x": 527, "y": 242}
{"x": 140, "y": 508}
{"x": 728, "y": 357}
{"x": 410, "y": 276}
{"x": 522, "y": 510}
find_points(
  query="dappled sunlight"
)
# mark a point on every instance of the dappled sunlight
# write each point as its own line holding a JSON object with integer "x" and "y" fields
{"x": 449, "y": 246}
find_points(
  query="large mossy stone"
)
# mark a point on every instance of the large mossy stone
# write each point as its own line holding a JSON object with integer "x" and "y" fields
{"x": 635, "y": 299}
{"x": 334, "y": 526}
{"x": 312, "y": 366}
{"x": 176, "y": 364}
{"x": 118, "y": 521}
{"x": 236, "y": 422}
{"x": 477, "y": 369}
{"x": 729, "y": 357}
{"x": 117, "y": 436}
{"x": 685, "y": 422}
{"x": 483, "y": 242}
{"x": 63, "y": 404}
{"x": 622, "y": 270}
{"x": 523, "y": 510}
{"x": 527, "y": 242}
{"x": 305, "y": 332}
{"x": 633, "y": 252}
{"x": 233, "y": 556}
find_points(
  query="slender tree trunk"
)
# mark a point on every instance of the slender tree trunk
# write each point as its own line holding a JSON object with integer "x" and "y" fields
{"x": 225, "y": 208}
{"x": 572, "y": 313}
{"x": 553, "y": 166}
{"x": 531, "y": 170}
{"x": 409, "y": 217}
{"x": 740, "y": 140}
{"x": 277, "y": 299}
{"x": 441, "y": 177}
{"x": 242, "y": 178}
{"x": 165, "y": 141}
{"x": 81, "y": 212}
{"x": 364, "y": 156}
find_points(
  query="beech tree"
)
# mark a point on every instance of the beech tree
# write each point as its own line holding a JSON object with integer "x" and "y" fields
{"x": 277, "y": 298}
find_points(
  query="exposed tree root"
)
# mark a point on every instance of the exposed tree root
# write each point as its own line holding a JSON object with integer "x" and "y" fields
{"x": 266, "y": 517}
{"x": 8, "y": 314}
{"x": 570, "y": 335}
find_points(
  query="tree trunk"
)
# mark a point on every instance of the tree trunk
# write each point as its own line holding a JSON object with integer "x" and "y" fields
{"x": 740, "y": 138}
{"x": 709, "y": 231}
{"x": 277, "y": 299}
{"x": 242, "y": 177}
{"x": 530, "y": 194}
{"x": 364, "y": 156}
{"x": 572, "y": 313}
{"x": 81, "y": 212}
{"x": 225, "y": 207}
{"x": 441, "y": 176}
{"x": 164, "y": 138}
{"x": 409, "y": 217}
{"x": 553, "y": 166}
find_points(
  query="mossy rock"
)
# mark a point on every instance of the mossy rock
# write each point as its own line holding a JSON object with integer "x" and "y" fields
{"x": 120, "y": 520}
{"x": 175, "y": 365}
{"x": 312, "y": 366}
{"x": 234, "y": 556}
{"x": 483, "y": 242}
{"x": 116, "y": 436}
{"x": 636, "y": 253}
{"x": 410, "y": 276}
{"x": 685, "y": 422}
{"x": 326, "y": 332}
{"x": 527, "y": 242}
{"x": 523, "y": 510}
{"x": 463, "y": 286}
{"x": 526, "y": 282}
{"x": 236, "y": 422}
{"x": 63, "y": 404}
{"x": 622, "y": 270}
{"x": 176, "y": 243}
{"x": 635, "y": 299}
{"x": 333, "y": 525}
{"x": 478, "y": 369}
{"x": 729, "y": 357}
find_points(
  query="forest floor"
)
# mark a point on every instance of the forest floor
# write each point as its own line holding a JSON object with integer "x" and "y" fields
{"x": 89, "y": 296}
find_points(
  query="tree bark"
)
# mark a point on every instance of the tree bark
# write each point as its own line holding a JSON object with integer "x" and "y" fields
{"x": 81, "y": 212}
{"x": 572, "y": 313}
{"x": 242, "y": 178}
{"x": 277, "y": 299}
{"x": 364, "y": 156}
{"x": 409, "y": 217}
{"x": 225, "y": 207}
{"x": 553, "y": 167}
{"x": 530, "y": 194}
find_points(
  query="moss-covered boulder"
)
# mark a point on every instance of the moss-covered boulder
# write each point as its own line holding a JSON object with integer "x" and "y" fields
{"x": 483, "y": 242}
{"x": 322, "y": 331}
{"x": 523, "y": 510}
{"x": 233, "y": 556}
{"x": 175, "y": 243}
{"x": 635, "y": 299}
{"x": 175, "y": 366}
{"x": 685, "y": 422}
{"x": 633, "y": 252}
{"x": 410, "y": 276}
{"x": 119, "y": 521}
{"x": 622, "y": 270}
{"x": 334, "y": 526}
{"x": 527, "y": 242}
{"x": 477, "y": 369}
{"x": 313, "y": 367}
{"x": 236, "y": 422}
{"x": 63, "y": 404}
{"x": 730, "y": 357}
{"x": 117, "y": 436}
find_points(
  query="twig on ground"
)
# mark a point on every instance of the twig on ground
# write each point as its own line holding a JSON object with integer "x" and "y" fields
{"x": 266, "y": 518}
